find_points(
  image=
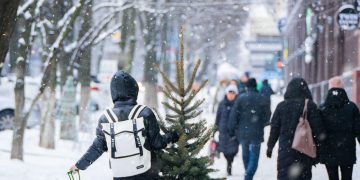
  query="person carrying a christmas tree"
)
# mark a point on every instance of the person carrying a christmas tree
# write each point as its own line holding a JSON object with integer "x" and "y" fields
{"x": 129, "y": 132}
{"x": 248, "y": 117}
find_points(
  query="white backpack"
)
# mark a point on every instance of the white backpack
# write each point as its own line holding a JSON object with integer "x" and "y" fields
{"x": 125, "y": 142}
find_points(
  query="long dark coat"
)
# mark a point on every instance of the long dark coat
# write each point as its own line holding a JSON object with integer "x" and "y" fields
{"x": 342, "y": 123}
{"x": 226, "y": 145}
{"x": 292, "y": 164}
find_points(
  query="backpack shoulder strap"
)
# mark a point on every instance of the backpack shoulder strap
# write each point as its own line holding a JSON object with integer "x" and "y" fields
{"x": 139, "y": 111}
{"x": 135, "y": 111}
{"x": 110, "y": 115}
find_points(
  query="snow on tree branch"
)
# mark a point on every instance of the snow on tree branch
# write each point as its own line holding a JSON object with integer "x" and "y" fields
{"x": 103, "y": 35}
{"x": 22, "y": 9}
{"x": 38, "y": 5}
{"x": 67, "y": 15}
{"x": 94, "y": 32}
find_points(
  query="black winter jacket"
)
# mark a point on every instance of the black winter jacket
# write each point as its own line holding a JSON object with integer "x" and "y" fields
{"x": 248, "y": 117}
{"x": 226, "y": 145}
{"x": 124, "y": 90}
{"x": 342, "y": 123}
{"x": 283, "y": 126}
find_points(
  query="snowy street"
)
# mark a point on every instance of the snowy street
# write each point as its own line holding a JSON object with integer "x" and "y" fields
{"x": 43, "y": 164}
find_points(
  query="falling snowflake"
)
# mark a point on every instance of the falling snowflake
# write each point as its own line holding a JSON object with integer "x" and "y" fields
{"x": 335, "y": 93}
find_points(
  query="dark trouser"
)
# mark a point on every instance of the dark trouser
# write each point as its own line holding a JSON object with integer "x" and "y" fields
{"x": 333, "y": 172}
{"x": 250, "y": 154}
{"x": 229, "y": 158}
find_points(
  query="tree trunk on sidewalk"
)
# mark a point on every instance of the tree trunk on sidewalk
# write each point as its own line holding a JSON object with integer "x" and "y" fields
{"x": 150, "y": 73}
{"x": 127, "y": 37}
{"x": 85, "y": 69}
{"x": 8, "y": 9}
{"x": 68, "y": 111}
{"x": 19, "y": 121}
{"x": 47, "y": 125}
{"x": 19, "y": 128}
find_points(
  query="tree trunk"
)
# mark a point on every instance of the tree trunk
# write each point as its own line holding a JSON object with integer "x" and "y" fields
{"x": 47, "y": 125}
{"x": 63, "y": 55}
{"x": 68, "y": 111}
{"x": 20, "y": 121}
{"x": 8, "y": 9}
{"x": 127, "y": 34}
{"x": 19, "y": 128}
{"x": 85, "y": 67}
{"x": 150, "y": 74}
{"x": 13, "y": 47}
{"x": 132, "y": 39}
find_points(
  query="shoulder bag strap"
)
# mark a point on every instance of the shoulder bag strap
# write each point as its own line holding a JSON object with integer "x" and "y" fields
{"x": 304, "y": 115}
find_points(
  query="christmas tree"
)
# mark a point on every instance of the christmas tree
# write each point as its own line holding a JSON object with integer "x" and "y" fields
{"x": 182, "y": 160}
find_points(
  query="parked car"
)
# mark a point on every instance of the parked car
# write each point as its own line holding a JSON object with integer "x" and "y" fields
{"x": 7, "y": 102}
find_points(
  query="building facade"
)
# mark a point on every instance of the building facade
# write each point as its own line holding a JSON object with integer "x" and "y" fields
{"x": 319, "y": 50}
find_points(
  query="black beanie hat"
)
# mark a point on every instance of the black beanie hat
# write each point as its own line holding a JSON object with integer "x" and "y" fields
{"x": 251, "y": 83}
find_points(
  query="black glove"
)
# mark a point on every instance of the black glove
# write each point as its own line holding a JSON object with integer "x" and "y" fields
{"x": 268, "y": 153}
{"x": 173, "y": 136}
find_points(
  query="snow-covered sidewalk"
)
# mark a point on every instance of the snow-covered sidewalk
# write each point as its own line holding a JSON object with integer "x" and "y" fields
{"x": 44, "y": 164}
{"x": 267, "y": 167}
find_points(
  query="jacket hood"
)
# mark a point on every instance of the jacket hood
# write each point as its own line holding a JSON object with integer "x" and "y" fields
{"x": 251, "y": 83}
{"x": 336, "y": 97}
{"x": 297, "y": 89}
{"x": 265, "y": 82}
{"x": 123, "y": 87}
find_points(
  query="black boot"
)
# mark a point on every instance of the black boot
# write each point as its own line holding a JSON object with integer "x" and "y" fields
{"x": 229, "y": 169}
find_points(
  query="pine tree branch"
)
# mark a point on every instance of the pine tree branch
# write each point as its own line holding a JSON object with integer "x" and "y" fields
{"x": 172, "y": 116}
{"x": 193, "y": 115}
{"x": 195, "y": 106}
{"x": 193, "y": 94}
{"x": 171, "y": 120}
{"x": 192, "y": 79}
{"x": 168, "y": 82}
{"x": 166, "y": 104}
{"x": 161, "y": 121}
{"x": 168, "y": 95}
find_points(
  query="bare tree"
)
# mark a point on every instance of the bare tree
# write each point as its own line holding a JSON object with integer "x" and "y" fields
{"x": 50, "y": 62}
{"x": 23, "y": 49}
{"x": 150, "y": 61}
{"x": 85, "y": 66}
{"x": 8, "y": 9}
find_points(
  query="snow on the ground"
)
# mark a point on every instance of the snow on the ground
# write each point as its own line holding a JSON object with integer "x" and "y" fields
{"x": 44, "y": 164}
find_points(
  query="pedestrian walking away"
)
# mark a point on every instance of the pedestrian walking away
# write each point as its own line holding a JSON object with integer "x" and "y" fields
{"x": 266, "y": 90}
{"x": 341, "y": 120}
{"x": 292, "y": 164}
{"x": 227, "y": 145}
{"x": 145, "y": 130}
{"x": 248, "y": 117}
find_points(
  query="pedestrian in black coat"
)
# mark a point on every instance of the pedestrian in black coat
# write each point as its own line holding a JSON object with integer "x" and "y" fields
{"x": 124, "y": 92}
{"x": 293, "y": 165}
{"x": 249, "y": 116}
{"x": 266, "y": 90}
{"x": 342, "y": 123}
{"x": 227, "y": 145}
